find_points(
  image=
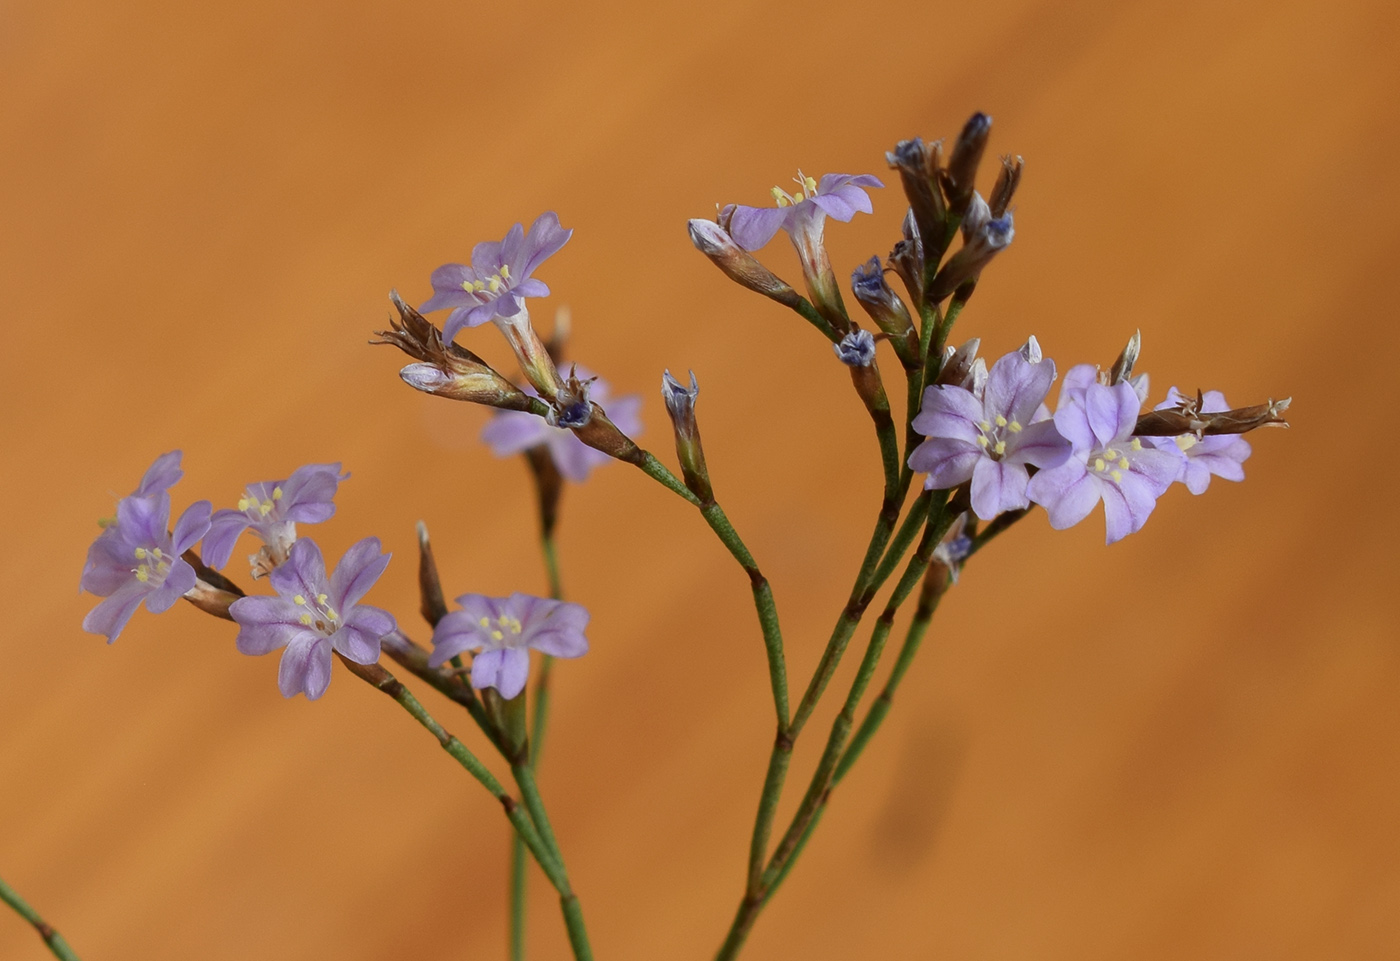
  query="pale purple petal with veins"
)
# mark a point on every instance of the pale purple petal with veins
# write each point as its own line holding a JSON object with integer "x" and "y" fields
{"x": 502, "y": 630}
{"x": 137, "y": 559}
{"x": 499, "y": 278}
{"x": 840, "y": 196}
{"x": 314, "y": 615}
{"x": 989, "y": 441}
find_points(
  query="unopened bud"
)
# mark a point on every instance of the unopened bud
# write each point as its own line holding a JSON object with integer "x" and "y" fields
{"x": 959, "y": 365}
{"x": 856, "y": 349}
{"x": 431, "y": 604}
{"x": 680, "y": 405}
{"x": 907, "y": 260}
{"x": 886, "y": 309}
{"x": 918, "y": 172}
{"x": 738, "y": 264}
{"x": 961, "y": 175}
{"x": 1122, "y": 370}
{"x": 984, "y": 237}
{"x": 1030, "y": 350}
{"x": 1007, "y": 182}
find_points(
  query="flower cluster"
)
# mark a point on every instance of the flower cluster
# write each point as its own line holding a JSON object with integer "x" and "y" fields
{"x": 313, "y": 614}
{"x": 992, "y": 435}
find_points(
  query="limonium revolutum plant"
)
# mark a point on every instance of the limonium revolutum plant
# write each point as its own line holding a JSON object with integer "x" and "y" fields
{"x": 980, "y": 444}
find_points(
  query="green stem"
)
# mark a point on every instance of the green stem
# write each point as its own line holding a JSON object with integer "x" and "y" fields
{"x": 519, "y": 880}
{"x": 763, "y": 602}
{"x": 414, "y": 659}
{"x": 568, "y": 901}
{"x": 380, "y": 679}
{"x": 52, "y": 938}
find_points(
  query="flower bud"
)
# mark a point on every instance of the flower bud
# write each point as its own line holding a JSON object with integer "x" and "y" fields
{"x": 1007, "y": 182}
{"x": 983, "y": 238}
{"x": 738, "y": 264}
{"x": 1030, "y": 350}
{"x": 856, "y": 349}
{"x": 680, "y": 405}
{"x": 1122, "y": 370}
{"x": 918, "y": 172}
{"x": 886, "y": 309}
{"x": 961, "y": 175}
{"x": 431, "y": 605}
{"x": 531, "y": 353}
{"x": 960, "y": 366}
{"x": 907, "y": 260}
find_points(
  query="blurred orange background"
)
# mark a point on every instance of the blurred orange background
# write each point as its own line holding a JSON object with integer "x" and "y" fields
{"x": 1182, "y": 746}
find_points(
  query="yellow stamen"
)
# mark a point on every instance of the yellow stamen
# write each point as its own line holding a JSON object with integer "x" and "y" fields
{"x": 306, "y": 619}
{"x": 1123, "y": 462}
{"x": 320, "y": 598}
{"x": 1001, "y": 447}
{"x": 1117, "y": 475}
{"x": 1099, "y": 465}
{"x": 1137, "y": 444}
{"x": 140, "y": 553}
{"x": 277, "y": 493}
{"x": 1186, "y": 441}
{"x": 985, "y": 424}
{"x": 982, "y": 441}
{"x": 155, "y": 552}
{"x": 486, "y": 622}
{"x": 299, "y": 600}
{"x": 265, "y": 508}
{"x": 1111, "y": 454}
{"x": 1014, "y": 427}
{"x": 1001, "y": 421}
{"x": 497, "y": 636}
{"x": 495, "y": 284}
{"x": 505, "y": 271}
{"x": 143, "y": 573}
{"x": 244, "y": 503}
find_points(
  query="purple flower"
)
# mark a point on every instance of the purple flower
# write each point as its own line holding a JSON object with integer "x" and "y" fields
{"x": 501, "y": 630}
{"x": 512, "y": 431}
{"x": 312, "y": 615}
{"x": 990, "y": 440}
{"x": 136, "y": 559}
{"x": 1108, "y": 463}
{"x": 800, "y": 213}
{"x": 1220, "y": 454}
{"x": 498, "y": 280}
{"x": 856, "y": 349}
{"x": 272, "y": 509}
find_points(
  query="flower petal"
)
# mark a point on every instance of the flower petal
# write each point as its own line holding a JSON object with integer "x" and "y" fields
{"x": 1016, "y": 387}
{"x": 165, "y": 472}
{"x": 1068, "y": 493}
{"x": 224, "y": 529}
{"x": 947, "y": 461}
{"x": 753, "y": 227}
{"x": 111, "y": 615}
{"x": 1040, "y": 444}
{"x": 998, "y": 487}
{"x": 305, "y": 667}
{"x": 190, "y": 526}
{"x": 951, "y": 412}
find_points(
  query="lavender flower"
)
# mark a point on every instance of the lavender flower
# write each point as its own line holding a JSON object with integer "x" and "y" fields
{"x": 1108, "y": 463}
{"x": 990, "y": 440}
{"x": 856, "y": 349}
{"x": 272, "y": 509}
{"x": 136, "y": 559}
{"x": 502, "y": 630}
{"x": 802, "y": 212}
{"x": 311, "y": 615}
{"x": 512, "y": 431}
{"x": 1220, "y": 454}
{"x": 499, "y": 278}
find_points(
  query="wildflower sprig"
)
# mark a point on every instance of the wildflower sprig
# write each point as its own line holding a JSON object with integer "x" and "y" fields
{"x": 979, "y": 435}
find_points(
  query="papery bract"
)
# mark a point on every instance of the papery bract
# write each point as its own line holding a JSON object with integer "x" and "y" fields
{"x": 499, "y": 278}
{"x": 313, "y": 615}
{"x": 501, "y": 630}
{"x": 1220, "y": 454}
{"x": 272, "y": 510}
{"x": 136, "y": 558}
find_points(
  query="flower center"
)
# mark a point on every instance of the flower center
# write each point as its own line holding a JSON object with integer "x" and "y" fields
{"x": 806, "y": 190}
{"x": 318, "y": 614}
{"x": 258, "y": 508}
{"x": 1113, "y": 461}
{"x": 491, "y": 285}
{"x": 992, "y": 438}
{"x": 501, "y": 626}
{"x": 152, "y": 564}
{"x": 1185, "y": 441}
